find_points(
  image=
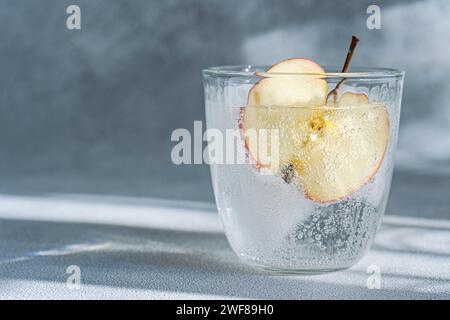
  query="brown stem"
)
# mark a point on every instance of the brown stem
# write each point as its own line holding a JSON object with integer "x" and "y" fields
{"x": 351, "y": 49}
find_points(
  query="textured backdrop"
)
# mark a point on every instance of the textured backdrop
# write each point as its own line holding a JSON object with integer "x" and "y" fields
{"x": 91, "y": 111}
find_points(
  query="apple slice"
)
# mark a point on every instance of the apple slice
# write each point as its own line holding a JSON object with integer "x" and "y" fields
{"x": 349, "y": 149}
{"x": 280, "y": 90}
{"x": 290, "y": 90}
{"x": 290, "y": 125}
{"x": 349, "y": 99}
{"x": 329, "y": 152}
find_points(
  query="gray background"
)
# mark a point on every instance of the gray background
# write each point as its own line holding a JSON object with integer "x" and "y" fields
{"x": 91, "y": 111}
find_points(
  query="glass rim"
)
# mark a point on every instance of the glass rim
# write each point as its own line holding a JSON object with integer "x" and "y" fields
{"x": 260, "y": 70}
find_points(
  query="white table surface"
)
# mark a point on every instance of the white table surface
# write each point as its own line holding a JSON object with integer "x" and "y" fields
{"x": 130, "y": 248}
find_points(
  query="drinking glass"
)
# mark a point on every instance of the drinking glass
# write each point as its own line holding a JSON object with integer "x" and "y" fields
{"x": 273, "y": 224}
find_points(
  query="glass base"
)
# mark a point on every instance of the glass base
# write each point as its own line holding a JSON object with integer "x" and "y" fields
{"x": 279, "y": 270}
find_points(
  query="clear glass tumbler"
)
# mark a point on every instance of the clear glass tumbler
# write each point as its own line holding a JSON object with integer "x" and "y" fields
{"x": 319, "y": 207}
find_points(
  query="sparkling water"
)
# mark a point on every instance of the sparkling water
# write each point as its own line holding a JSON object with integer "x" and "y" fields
{"x": 271, "y": 223}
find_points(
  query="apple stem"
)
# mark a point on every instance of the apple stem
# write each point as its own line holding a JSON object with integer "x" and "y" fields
{"x": 351, "y": 49}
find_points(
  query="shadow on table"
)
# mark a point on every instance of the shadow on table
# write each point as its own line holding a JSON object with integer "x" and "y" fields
{"x": 160, "y": 260}
{"x": 430, "y": 241}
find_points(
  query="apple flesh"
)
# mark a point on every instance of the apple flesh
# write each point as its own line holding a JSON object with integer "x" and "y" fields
{"x": 348, "y": 151}
{"x": 291, "y": 85}
{"x": 328, "y": 151}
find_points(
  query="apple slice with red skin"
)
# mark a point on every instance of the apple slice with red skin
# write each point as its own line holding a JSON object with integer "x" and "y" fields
{"x": 330, "y": 152}
{"x": 294, "y": 83}
{"x": 348, "y": 150}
